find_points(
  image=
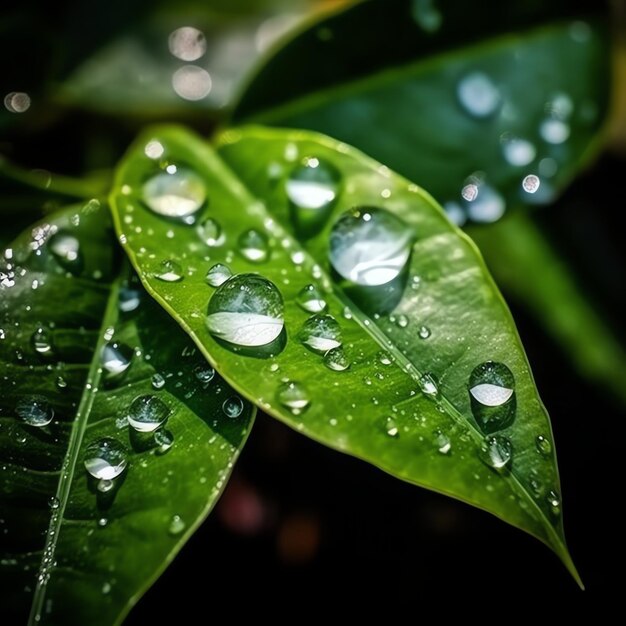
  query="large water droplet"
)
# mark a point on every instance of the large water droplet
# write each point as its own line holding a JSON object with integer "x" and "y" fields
{"x": 293, "y": 396}
{"x": 336, "y": 360}
{"x": 179, "y": 195}
{"x": 41, "y": 341}
{"x": 311, "y": 299}
{"x": 217, "y": 275}
{"x": 116, "y": 358}
{"x": 246, "y": 310}
{"x": 254, "y": 246}
{"x": 478, "y": 95}
{"x": 67, "y": 251}
{"x": 147, "y": 413}
{"x": 169, "y": 271}
{"x": 321, "y": 333}
{"x": 369, "y": 246}
{"x": 232, "y": 407}
{"x": 313, "y": 185}
{"x": 105, "y": 459}
{"x": 204, "y": 373}
{"x": 497, "y": 452}
{"x": 210, "y": 232}
{"x": 492, "y": 396}
{"x": 34, "y": 410}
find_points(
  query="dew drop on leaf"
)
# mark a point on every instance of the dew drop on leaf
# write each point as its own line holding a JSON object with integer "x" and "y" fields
{"x": 253, "y": 246}
{"x": 116, "y": 358}
{"x": 293, "y": 396}
{"x": 169, "y": 271}
{"x": 336, "y": 360}
{"x": 210, "y": 232}
{"x": 217, "y": 275}
{"x": 320, "y": 333}
{"x": 180, "y": 194}
{"x": 147, "y": 413}
{"x": 105, "y": 459}
{"x": 478, "y": 95}
{"x": 497, "y": 452}
{"x": 492, "y": 395}
{"x": 311, "y": 299}
{"x": 34, "y": 410}
{"x": 232, "y": 407}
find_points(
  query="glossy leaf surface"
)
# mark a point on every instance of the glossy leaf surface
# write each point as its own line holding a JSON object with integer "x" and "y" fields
{"x": 415, "y": 324}
{"x": 79, "y": 342}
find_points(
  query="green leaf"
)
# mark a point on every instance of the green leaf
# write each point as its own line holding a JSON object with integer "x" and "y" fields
{"x": 71, "y": 553}
{"x": 441, "y": 315}
{"x": 518, "y": 254}
{"x": 452, "y": 93}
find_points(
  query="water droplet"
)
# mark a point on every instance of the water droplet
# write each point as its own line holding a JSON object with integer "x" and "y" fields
{"x": 169, "y": 271}
{"x": 254, "y": 246}
{"x": 492, "y": 396}
{"x": 54, "y": 503}
{"x": 384, "y": 358}
{"x": 369, "y": 246}
{"x": 147, "y": 413}
{"x": 320, "y": 333}
{"x": 154, "y": 149}
{"x": 293, "y": 396}
{"x": 164, "y": 440}
{"x": 158, "y": 381}
{"x": 483, "y": 204}
{"x": 179, "y": 195}
{"x": 187, "y": 43}
{"x": 531, "y": 183}
{"x": 544, "y": 447}
{"x": 105, "y": 459}
{"x": 105, "y": 485}
{"x": 478, "y": 95}
{"x": 428, "y": 385}
{"x": 497, "y": 452}
{"x": 554, "y": 500}
{"x": 391, "y": 427}
{"x": 518, "y": 152}
{"x": 336, "y": 360}
{"x": 554, "y": 131}
{"x": 217, "y": 275}
{"x": 204, "y": 373}
{"x": 402, "y": 321}
{"x": 442, "y": 441}
{"x": 210, "y": 232}
{"x": 106, "y": 588}
{"x": 232, "y": 407}
{"x": 41, "y": 341}
{"x": 177, "y": 525}
{"x": 102, "y": 522}
{"x": 424, "y": 332}
{"x": 66, "y": 250}
{"x": 128, "y": 299}
{"x": 246, "y": 310}
{"x": 61, "y": 382}
{"x": 426, "y": 15}
{"x": 35, "y": 410}
{"x": 116, "y": 358}
{"x": 311, "y": 299}
{"x": 314, "y": 185}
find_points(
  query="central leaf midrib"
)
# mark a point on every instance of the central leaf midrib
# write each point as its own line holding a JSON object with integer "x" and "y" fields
{"x": 70, "y": 460}
{"x": 402, "y": 361}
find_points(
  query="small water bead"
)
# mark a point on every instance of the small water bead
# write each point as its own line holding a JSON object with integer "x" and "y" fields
{"x": 105, "y": 459}
{"x": 370, "y": 246}
{"x": 169, "y": 271}
{"x": 531, "y": 183}
{"x": 129, "y": 299}
{"x": 232, "y": 407}
{"x": 443, "y": 443}
{"x": 34, "y": 410}
{"x": 544, "y": 447}
{"x": 554, "y": 131}
{"x": 424, "y": 332}
{"x": 314, "y": 185}
{"x": 176, "y": 526}
{"x": 105, "y": 485}
{"x": 402, "y": 321}
{"x": 247, "y": 310}
{"x": 180, "y": 194}
{"x": 336, "y": 360}
{"x": 41, "y": 340}
{"x": 164, "y": 440}
{"x": 554, "y": 500}
{"x": 428, "y": 385}
{"x": 158, "y": 381}
{"x": 147, "y": 413}
{"x": 210, "y": 232}
{"x": 311, "y": 299}
{"x": 54, "y": 503}
{"x": 518, "y": 152}
{"x": 61, "y": 382}
{"x": 116, "y": 358}
{"x": 497, "y": 452}
{"x": 384, "y": 358}
{"x": 321, "y": 333}
{"x": 293, "y": 396}
{"x": 478, "y": 95}
{"x": 391, "y": 427}
{"x": 254, "y": 246}
{"x": 204, "y": 373}
{"x": 483, "y": 204}
{"x": 217, "y": 275}
{"x": 67, "y": 251}
{"x": 492, "y": 394}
